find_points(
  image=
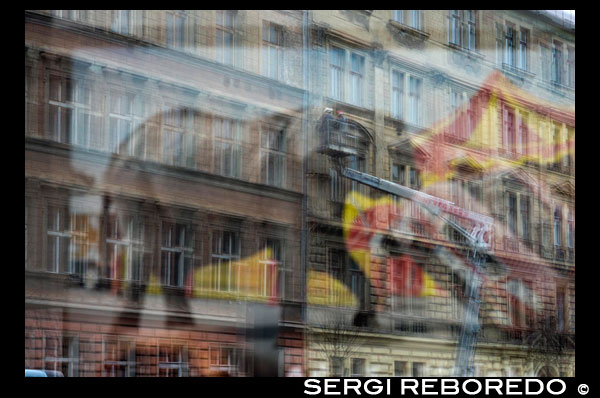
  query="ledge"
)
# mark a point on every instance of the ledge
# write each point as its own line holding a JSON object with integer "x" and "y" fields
{"x": 420, "y": 34}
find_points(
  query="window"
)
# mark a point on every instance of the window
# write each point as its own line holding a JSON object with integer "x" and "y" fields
{"x": 556, "y": 143}
{"x": 512, "y": 213}
{"x": 570, "y": 66}
{"x": 400, "y": 368}
{"x": 524, "y": 216}
{"x": 124, "y": 248}
{"x": 118, "y": 357}
{"x": 414, "y": 100}
{"x": 272, "y": 156}
{"x": 509, "y": 131}
{"x": 457, "y": 292}
{"x": 346, "y": 84}
{"x": 68, "y": 241}
{"x": 178, "y": 137}
{"x": 358, "y": 367}
{"x": 520, "y": 302}
{"x": 337, "y": 366}
{"x": 272, "y": 50}
{"x": 340, "y": 186}
{"x": 225, "y": 252}
{"x": 546, "y": 62}
{"x": 125, "y": 116}
{"x": 58, "y": 240}
{"x": 571, "y": 230}
{"x": 406, "y": 175}
{"x": 356, "y": 79}
{"x": 225, "y": 36}
{"x": 458, "y": 102}
{"x": 557, "y": 63}
{"x": 463, "y": 28}
{"x": 523, "y": 53}
{"x": 227, "y": 152}
{"x": 524, "y": 134}
{"x": 228, "y": 359}
{"x": 172, "y": 359}
{"x": 397, "y": 94}
{"x": 499, "y": 44}
{"x": 176, "y": 30}
{"x": 399, "y": 16}
{"x": 546, "y": 225}
{"x": 561, "y": 309}
{"x": 410, "y": 18}
{"x": 417, "y": 369}
{"x": 518, "y": 214}
{"x": 557, "y": 226}
{"x": 61, "y": 353}
{"x": 336, "y": 72}
{"x": 270, "y": 266}
{"x": 175, "y": 254}
{"x": 509, "y": 46}
{"x": 415, "y": 19}
{"x": 70, "y": 115}
{"x": 122, "y": 21}
{"x": 399, "y": 173}
{"x": 407, "y": 282}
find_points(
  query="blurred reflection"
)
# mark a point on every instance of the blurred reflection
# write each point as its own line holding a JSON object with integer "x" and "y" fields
{"x": 183, "y": 219}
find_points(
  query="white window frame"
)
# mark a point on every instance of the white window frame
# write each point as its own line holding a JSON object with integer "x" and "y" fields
{"x": 233, "y": 362}
{"x": 131, "y": 241}
{"x": 273, "y": 152}
{"x": 178, "y": 363}
{"x": 72, "y": 357}
{"x": 225, "y": 259}
{"x": 123, "y": 21}
{"x": 345, "y": 83}
{"x": 179, "y": 247}
{"x": 178, "y": 141}
{"x": 524, "y": 48}
{"x": 115, "y": 362}
{"x": 225, "y": 22}
{"x": 356, "y": 79}
{"x": 272, "y": 270}
{"x": 415, "y": 100}
{"x": 227, "y": 151}
{"x": 273, "y": 50}
{"x": 176, "y": 35}
{"x": 132, "y": 117}
{"x": 398, "y": 93}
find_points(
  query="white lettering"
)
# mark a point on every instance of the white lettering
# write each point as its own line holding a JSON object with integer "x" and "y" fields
{"x": 464, "y": 386}
{"x": 347, "y": 386}
{"x": 308, "y": 384}
{"x": 489, "y": 387}
{"x": 376, "y": 390}
{"x": 425, "y": 385}
{"x": 446, "y": 387}
{"x": 528, "y": 391}
{"x": 509, "y": 385}
{"x": 331, "y": 383}
{"x": 564, "y": 387}
{"x": 413, "y": 388}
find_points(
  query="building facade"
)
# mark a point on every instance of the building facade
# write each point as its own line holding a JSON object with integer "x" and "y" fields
{"x": 181, "y": 218}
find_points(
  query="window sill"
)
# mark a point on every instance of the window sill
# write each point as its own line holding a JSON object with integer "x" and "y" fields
{"x": 473, "y": 54}
{"x": 417, "y": 33}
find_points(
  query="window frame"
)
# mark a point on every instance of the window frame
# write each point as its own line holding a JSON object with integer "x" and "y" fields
{"x": 268, "y": 152}
{"x": 225, "y": 52}
{"x": 269, "y": 47}
{"x": 185, "y": 250}
{"x": 222, "y": 144}
{"x": 227, "y": 258}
